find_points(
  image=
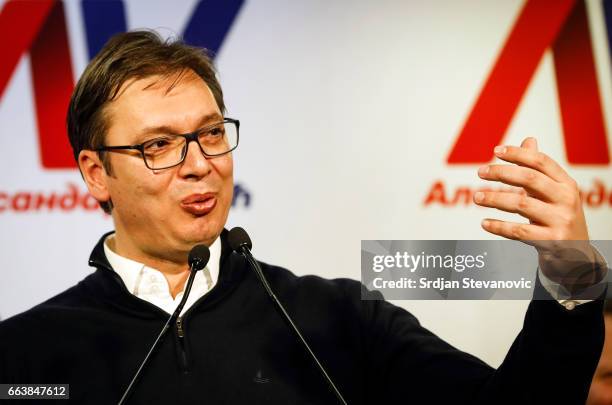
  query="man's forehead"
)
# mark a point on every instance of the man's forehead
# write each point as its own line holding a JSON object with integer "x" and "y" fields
{"x": 166, "y": 83}
{"x": 154, "y": 104}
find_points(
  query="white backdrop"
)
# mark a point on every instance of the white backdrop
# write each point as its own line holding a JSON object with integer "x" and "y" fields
{"x": 349, "y": 110}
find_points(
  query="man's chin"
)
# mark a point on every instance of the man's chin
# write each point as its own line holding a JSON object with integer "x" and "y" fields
{"x": 202, "y": 229}
{"x": 201, "y": 236}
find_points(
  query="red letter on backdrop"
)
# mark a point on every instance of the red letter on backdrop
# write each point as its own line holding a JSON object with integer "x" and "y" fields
{"x": 562, "y": 24}
{"x": 41, "y": 27}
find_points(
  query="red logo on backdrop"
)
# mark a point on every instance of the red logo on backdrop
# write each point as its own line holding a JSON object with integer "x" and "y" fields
{"x": 40, "y": 27}
{"x": 559, "y": 25}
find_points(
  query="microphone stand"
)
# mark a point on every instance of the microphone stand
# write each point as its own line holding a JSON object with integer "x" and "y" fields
{"x": 244, "y": 250}
{"x": 161, "y": 335}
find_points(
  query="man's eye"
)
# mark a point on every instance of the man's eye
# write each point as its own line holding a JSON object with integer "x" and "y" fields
{"x": 217, "y": 131}
{"x": 157, "y": 144}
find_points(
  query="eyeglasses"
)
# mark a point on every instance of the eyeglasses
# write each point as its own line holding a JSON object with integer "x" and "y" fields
{"x": 170, "y": 150}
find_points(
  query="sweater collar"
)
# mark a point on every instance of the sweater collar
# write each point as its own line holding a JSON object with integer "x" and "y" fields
{"x": 98, "y": 259}
{"x": 230, "y": 269}
{"x": 106, "y": 284}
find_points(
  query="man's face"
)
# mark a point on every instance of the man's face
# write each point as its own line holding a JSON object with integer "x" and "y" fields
{"x": 164, "y": 213}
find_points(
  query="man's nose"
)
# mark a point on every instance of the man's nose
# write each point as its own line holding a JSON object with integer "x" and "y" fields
{"x": 195, "y": 163}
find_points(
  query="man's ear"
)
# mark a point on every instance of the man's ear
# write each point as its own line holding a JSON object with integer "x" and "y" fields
{"x": 94, "y": 174}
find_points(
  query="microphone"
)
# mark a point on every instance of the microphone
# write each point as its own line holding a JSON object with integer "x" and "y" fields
{"x": 240, "y": 242}
{"x": 197, "y": 259}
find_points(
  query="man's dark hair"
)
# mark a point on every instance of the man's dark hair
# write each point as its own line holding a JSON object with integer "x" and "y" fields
{"x": 130, "y": 55}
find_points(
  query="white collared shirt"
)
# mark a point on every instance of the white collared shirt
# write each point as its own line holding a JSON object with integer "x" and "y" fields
{"x": 150, "y": 284}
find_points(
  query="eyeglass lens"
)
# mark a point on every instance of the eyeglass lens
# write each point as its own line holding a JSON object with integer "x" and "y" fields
{"x": 166, "y": 151}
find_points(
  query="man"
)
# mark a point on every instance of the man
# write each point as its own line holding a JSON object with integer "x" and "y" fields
{"x": 147, "y": 125}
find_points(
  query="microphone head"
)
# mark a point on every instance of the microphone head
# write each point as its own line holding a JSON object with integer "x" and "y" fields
{"x": 198, "y": 257}
{"x": 238, "y": 237}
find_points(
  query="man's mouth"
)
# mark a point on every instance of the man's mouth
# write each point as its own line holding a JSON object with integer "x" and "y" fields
{"x": 199, "y": 204}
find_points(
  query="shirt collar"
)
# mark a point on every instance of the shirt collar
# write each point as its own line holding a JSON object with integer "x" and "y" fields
{"x": 129, "y": 269}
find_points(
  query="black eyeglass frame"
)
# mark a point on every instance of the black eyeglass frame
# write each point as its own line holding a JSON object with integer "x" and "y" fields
{"x": 192, "y": 136}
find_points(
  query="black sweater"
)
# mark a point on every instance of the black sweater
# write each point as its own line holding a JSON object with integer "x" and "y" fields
{"x": 235, "y": 349}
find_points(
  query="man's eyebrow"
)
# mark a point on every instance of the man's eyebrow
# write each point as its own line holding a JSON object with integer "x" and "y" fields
{"x": 209, "y": 119}
{"x": 169, "y": 129}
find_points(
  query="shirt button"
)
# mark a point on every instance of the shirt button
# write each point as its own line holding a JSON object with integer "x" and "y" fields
{"x": 569, "y": 305}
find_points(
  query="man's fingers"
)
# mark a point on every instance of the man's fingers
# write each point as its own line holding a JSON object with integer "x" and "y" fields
{"x": 512, "y": 189}
{"x": 531, "y": 208}
{"x": 512, "y": 230}
{"x": 534, "y": 182}
{"x": 533, "y": 159}
{"x": 530, "y": 144}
